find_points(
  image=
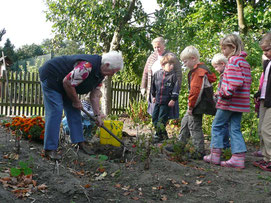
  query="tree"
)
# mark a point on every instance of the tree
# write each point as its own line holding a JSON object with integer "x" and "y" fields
{"x": 9, "y": 50}
{"x": 29, "y": 51}
{"x": 100, "y": 25}
{"x": 65, "y": 47}
{"x": 2, "y": 32}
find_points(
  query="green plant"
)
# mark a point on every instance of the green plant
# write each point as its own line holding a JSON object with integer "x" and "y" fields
{"x": 137, "y": 111}
{"x": 145, "y": 147}
{"x": 23, "y": 169}
{"x": 184, "y": 151}
{"x": 226, "y": 153}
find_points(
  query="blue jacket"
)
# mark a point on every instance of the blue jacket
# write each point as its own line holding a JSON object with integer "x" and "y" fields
{"x": 165, "y": 87}
{"x": 56, "y": 69}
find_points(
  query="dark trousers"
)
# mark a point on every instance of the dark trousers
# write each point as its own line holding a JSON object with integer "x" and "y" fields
{"x": 159, "y": 119}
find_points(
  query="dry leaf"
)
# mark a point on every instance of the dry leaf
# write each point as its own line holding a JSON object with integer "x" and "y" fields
{"x": 160, "y": 187}
{"x": 6, "y": 179}
{"x": 135, "y": 198}
{"x": 118, "y": 185}
{"x": 87, "y": 186}
{"x": 34, "y": 183}
{"x": 180, "y": 194}
{"x": 126, "y": 187}
{"x": 184, "y": 182}
{"x": 102, "y": 176}
{"x": 198, "y": 182}
{"x": 177, "y": 185}
{"x": 126, "y": 193}
{"x": 42, "y": 187}
{"x": 101, "y": 170}
{"x": 164, "y": 198}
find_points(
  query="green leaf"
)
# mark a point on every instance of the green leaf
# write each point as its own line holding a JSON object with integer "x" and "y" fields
{"x": 23, "y": 165}
{"x": 103, "y": 157}
{"x": 15, "y": 172}
{"x": 27, "y": 171}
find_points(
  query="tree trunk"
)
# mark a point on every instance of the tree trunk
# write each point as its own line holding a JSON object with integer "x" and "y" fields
{"x": 241, "y": 19}
{"x": 114, "y": 45}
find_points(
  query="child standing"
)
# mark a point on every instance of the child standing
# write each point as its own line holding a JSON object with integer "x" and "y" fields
{"x": 165, "y": 91}
{"x": 264, "y": 95}
{"x": 200, "y": 100}
{"x": 219, "y": 62}
{"x": 233, "y": 100}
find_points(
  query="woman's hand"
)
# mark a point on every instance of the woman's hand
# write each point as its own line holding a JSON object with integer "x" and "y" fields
{"x": 153, "y": 100}
{"x": 171, "y": 103}
{"x": 99, "y": 122}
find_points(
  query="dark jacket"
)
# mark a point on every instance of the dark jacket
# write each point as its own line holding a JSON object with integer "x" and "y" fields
{"x": 56, "y": 69}
{"x": 165, "y": 87}
{"x": 267, "y": 100}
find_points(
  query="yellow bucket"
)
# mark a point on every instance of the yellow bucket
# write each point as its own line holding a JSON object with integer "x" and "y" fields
{"x": 116, "y": 128}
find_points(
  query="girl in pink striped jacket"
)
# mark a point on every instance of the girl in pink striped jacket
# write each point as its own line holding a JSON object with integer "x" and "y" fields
{"x": 233, "y": 100}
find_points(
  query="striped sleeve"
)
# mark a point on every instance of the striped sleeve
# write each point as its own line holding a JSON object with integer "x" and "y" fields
{"x": 233, "y": 77}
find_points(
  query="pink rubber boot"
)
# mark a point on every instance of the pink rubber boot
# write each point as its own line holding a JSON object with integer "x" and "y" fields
{"x": 214, "y": 157}
{"x": 236, "y": 161}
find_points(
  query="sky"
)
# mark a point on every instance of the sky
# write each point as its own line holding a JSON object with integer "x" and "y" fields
{"x": 25, "y": 21}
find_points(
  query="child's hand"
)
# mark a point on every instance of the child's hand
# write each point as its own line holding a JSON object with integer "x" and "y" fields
{"x": 153, "y": 100}
{"x": 171, "y": 103}
{"x": 256, "y": 100}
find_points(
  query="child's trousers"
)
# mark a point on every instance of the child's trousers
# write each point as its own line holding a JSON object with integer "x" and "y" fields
{"x": 234, "y": 119}
{"x": 264, "y": 130}
{"x": 191, "y": 126}
{"x": 160, "y": 119}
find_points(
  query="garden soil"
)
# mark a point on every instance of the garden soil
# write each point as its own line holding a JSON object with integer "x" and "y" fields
{"x": 82, "y": 178}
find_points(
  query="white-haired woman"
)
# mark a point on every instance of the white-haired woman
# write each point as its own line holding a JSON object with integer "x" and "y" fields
{"x": 152, "y": 65}
{"x": 62, "y": 79}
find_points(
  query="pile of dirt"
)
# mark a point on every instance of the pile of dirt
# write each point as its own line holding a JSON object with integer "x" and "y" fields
{"x": 114, "y": 176}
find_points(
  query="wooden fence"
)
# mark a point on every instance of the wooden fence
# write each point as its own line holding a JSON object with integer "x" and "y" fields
{"x": 21, "y": 95}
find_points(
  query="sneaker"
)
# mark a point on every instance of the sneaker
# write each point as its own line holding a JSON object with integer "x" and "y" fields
{"x": 52, "y": 154}
{"x": 266, "y": 166}
{"x": 84, "y": 147}
{"x": 258, "y": 163}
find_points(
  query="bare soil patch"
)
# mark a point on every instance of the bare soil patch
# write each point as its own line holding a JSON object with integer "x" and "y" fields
{"x": 84, "y": 178}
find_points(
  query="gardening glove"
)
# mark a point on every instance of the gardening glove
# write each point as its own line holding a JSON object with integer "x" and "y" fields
{"x": 143, "y": 91}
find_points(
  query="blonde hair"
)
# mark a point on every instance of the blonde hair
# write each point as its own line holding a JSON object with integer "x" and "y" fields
{"x": 190, "y": 51}
{"x": 219, "y": 58}
{"x": 169, "y": 58}
{"x": 234, "y": 41}
{"x": 159, "y": 39}
{"x": 114, "y": 58}
{"x": 266, "y": 40}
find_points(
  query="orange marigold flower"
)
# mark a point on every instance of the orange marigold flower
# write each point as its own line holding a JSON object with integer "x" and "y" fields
{"x": 29, "y": 136}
